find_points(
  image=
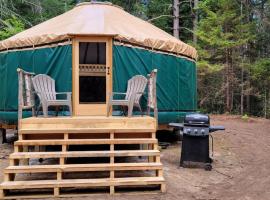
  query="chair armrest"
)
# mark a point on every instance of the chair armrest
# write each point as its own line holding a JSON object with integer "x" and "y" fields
{"x": 43, "y": 98}
{"x": 111, "y": 94}
{"x": 56, "y": 93}
{"x": 121, "y": 93}
{"x": 63, "y": 93}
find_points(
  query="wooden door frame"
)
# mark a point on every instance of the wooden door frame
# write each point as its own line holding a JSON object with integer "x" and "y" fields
{"x": 80, "y": 109}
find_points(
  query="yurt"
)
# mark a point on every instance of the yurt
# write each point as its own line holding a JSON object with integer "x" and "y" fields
{"x": 94, "y": 49}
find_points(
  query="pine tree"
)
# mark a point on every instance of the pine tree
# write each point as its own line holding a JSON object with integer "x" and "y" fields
{"x": 222, "y": 33}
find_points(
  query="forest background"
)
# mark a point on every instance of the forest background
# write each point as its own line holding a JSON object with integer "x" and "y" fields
{"x": 232, "y": 38}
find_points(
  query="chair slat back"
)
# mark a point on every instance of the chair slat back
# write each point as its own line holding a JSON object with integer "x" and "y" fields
{"x": 136, "y": 84}
{"x": 45, "y": 86}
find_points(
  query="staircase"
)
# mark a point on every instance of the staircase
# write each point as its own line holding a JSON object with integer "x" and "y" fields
{"x": 62, "y": 157}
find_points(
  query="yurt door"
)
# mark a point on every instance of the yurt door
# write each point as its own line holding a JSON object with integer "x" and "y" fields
{"x": 92, "y": 75}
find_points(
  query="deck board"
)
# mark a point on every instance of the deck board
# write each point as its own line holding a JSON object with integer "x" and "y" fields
{"x": 82, "y": 182}
{"x": 82, "y": 154}
{"x": 83, "y": 167}
{"x": 87, "y": 124}
{"x": 84, "y": 142}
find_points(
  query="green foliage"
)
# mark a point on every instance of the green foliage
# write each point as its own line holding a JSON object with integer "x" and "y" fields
{"x": 135, "y": 7}
{"x": 10, "y": 27}
{"x": 38, "y": 11}
{"x": 223, "y": 33}
{"x": 222, "y": 26}
{"x": 261, "y": 72}
{"x": 160, "y": 12}
{"x": 245, "y": 117}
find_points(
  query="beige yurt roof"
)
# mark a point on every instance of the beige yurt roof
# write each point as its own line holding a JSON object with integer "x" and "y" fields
{"x": 99, "y": 19}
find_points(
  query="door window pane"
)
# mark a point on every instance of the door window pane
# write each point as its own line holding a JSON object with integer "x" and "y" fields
{"x": 92, "y": 64}
{"x": 93, "y": 53}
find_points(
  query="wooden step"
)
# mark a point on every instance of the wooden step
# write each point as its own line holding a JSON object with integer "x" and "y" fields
{"x": 85, "y": 141}
{"x": 84, "y": 130}
{"x": 83, "y": 154}
{"x": 83, "y": 167}
{"x": 81, "y": 183}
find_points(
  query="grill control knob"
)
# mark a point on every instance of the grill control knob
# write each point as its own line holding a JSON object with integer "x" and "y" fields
{"x": 188, "y": 131}
{"x": 195, "y": 131}
{"x": 202, "y": 131}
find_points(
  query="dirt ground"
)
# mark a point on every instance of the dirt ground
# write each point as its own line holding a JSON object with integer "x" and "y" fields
{"x": 241, "y": 167}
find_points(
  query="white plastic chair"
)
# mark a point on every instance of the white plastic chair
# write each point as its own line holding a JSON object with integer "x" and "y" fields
{"x": 45, "y": 88}
{"x": 135, "y": 90}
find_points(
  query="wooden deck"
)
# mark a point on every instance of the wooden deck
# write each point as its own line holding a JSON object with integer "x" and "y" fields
{"x": 118, "y": 145}
{"x": 86, "y": 124}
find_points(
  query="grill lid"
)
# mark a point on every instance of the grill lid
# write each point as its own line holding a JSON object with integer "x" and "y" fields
{"x": 197, "y": 120}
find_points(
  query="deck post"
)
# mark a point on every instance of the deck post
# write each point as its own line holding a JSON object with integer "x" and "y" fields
{"x": 1, "y": 194}
{"x": 56, "y": 192}
{"x": 163, "y": 188}
{"x": 112, "y": 190}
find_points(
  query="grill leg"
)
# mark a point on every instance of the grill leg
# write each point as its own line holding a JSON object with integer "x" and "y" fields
{"x": 4, "y": 135}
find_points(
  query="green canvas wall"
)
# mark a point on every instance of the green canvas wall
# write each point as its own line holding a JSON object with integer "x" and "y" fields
{"x": 55, "y": 62}
{"x": 176, "y": 82}
{"x": 176, "y": 77}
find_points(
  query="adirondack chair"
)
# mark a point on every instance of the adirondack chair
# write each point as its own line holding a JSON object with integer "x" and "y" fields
{"x": 26, "y": 96}
{"x": 45, "y": 89}
{"x": 135, "y": 90}
{"x": 152, "y": 96}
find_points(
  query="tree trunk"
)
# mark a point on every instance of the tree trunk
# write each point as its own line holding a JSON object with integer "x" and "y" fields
{"x": 195, "y": 21}
{"x": 248, "y": 96}
{"x": 176, "y": 18}
{"x": 227, "y": 82}
{"x": 242, "y": 72}
{"x": 231, "y": 80}
{"x": 242, "y": 91}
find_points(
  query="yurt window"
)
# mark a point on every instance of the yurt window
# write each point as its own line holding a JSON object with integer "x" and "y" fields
{"x": 92, "y": 65}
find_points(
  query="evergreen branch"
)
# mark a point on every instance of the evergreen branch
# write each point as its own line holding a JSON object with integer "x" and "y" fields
{"x": 31, "y": 3}
{"x": 187, "y": 29}
{"x": 8, "y": 12}
{"x": 158, "y": 17}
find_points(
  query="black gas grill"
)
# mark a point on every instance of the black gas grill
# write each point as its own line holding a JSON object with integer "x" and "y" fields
{"x": 195, "y": 143}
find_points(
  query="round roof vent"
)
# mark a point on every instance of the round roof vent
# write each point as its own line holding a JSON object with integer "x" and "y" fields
{"x": 98, "y": 3}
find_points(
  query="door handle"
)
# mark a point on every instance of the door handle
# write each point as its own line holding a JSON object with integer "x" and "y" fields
{"x": 108, "y": 70}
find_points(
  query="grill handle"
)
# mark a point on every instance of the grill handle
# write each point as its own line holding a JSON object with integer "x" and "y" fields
{"x": 216, "y": 128}
{"x": 177, "y": 126}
